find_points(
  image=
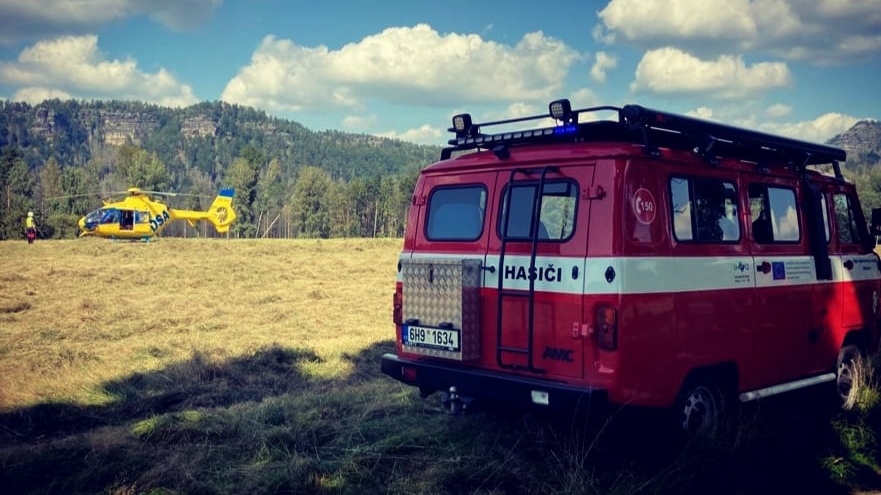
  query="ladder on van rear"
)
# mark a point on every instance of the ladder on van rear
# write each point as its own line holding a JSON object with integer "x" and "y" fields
{"x": 529, "y": 295}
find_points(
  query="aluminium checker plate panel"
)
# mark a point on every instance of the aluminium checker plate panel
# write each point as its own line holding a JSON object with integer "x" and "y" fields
{"x": 444, "y": 291}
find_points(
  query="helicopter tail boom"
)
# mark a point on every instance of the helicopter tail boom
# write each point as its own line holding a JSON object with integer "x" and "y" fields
{"x": 220, "y": 214}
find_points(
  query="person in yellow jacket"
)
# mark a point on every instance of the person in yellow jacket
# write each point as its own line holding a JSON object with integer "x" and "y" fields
{"x": 30, "y": 228}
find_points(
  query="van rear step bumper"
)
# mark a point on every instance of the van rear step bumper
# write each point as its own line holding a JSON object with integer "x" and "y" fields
{"x": 490, "y": 386}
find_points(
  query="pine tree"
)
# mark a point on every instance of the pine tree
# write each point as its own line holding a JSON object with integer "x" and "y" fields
{"x": 310, "y": 209}
{"x": 16, "y": 193}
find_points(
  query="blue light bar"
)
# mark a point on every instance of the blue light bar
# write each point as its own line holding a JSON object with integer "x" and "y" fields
{"x": 566, "y": 130}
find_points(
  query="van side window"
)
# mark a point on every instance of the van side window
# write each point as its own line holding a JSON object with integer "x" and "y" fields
{"x": 704, "y": 210}
{"x": 774, "y": 214}
{"x": 557, "y": 216}
{"x": 456, "y": 213}
{"x": 846, "y": 220}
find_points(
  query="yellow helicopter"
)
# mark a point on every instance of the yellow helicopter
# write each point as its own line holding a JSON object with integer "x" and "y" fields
{"x": 139, "y": 217}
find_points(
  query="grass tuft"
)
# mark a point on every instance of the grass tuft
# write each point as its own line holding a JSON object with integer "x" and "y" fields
{"x": 855, "y": 454}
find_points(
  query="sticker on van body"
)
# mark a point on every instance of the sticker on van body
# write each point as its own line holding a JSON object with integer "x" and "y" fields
{"x": 644, "y": 206}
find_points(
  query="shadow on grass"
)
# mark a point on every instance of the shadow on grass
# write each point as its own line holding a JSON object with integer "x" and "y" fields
{"x": 193, "y": 384}
{"x": 169, "y": 431}
{"x": 777, "y": 445}
{"x": 258, "y": 424}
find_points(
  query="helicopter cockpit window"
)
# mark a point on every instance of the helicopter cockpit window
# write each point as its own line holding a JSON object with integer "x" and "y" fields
{"x": 109, "y": 215}
{"x": 142, "y": 217}
{"x": 93, "y": 216}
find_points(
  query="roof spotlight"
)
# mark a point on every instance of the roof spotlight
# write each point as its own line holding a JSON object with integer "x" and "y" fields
{"x": 461, "y": 124}
{"x": 561, "y": 110}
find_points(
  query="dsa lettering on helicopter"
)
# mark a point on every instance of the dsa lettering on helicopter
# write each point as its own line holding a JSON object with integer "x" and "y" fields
{"x": 159, "y": 220}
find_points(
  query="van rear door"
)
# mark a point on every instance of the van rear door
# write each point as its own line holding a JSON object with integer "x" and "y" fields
{"x": 442, "y": 263}
{"x": 534, "y": 277}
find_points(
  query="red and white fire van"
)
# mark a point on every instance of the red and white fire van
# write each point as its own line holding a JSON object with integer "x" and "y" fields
{"x": 650, "y": 259}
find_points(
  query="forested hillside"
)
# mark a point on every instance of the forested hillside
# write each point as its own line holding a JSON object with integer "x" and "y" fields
{"x": 60, "y": 158}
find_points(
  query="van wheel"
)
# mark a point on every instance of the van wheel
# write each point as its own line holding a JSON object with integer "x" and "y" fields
{"x": 849, "y": 375}
{"x": 702, "y": 408}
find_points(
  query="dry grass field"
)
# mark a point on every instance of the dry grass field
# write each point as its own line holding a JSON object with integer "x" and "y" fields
{"x": 76, "y": 314}
{"x": 252, "y": 366}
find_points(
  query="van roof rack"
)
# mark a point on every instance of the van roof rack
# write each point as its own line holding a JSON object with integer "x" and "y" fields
{"x": 652, "y": 128}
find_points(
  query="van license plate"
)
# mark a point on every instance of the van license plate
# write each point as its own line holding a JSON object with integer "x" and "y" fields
{"x": 435, "y": 338}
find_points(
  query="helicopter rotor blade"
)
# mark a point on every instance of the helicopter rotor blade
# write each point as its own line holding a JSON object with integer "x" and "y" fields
{"x": 159, "y": 193}
{"x": 93, "y": 194}
{"x": 174, "y": 194}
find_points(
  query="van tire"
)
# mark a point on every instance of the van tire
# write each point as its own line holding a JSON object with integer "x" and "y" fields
{"x": 848, "y": 375}
{"x": 702, "y": 407}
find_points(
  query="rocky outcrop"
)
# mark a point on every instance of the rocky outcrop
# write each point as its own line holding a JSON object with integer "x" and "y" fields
{"x": 862, "y": 142}
{"x": 198, "y": 126}
{"x": 112, "y": 126}
{"x": 127, "y": 127}
{"x": 104, "y": 126}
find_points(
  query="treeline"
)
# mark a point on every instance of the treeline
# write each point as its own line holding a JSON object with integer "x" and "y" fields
{"x": 60, "y": 158}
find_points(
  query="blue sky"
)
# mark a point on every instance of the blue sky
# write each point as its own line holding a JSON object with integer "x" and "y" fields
{"x": 809, "y": 69}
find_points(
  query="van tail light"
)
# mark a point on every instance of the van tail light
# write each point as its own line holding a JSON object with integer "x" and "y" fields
{"x": 607, "y": 328}
{"x": 397, "y": 308}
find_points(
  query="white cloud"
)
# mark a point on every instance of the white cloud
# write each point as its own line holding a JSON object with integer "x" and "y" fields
{"x": 72, "y": 66}
{"x": 778, "y": 110}
{"x": 701, "y": 113}
{"x": 523, "y": 109}
{"x": 424, "y": 134}
{"x": 602, "y": 63}
{"x": 585, "y": 97}
{"x": 819, "y": 130}
{"x": 34, "y": 19}
{"x": 669, "y": 71}
{"x": 849, "y": 8}
{"x": 823, "y": 32}
{"x": 357, "y": 122}
{"x": 36, "y": 94}
{"x": 401, "y": 65}
{"x": 662, "y": 21}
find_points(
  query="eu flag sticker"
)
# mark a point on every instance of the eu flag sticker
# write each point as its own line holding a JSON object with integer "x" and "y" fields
{"x": 778, "y": 269}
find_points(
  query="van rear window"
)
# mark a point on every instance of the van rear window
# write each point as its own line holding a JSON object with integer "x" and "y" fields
{"x": 456, "y": 213}
{"x": 556, "y": 218}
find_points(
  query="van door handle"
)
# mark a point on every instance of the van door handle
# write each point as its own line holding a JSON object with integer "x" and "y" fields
{"x": 490, "y": 268}
{"x": 764, "y": 267}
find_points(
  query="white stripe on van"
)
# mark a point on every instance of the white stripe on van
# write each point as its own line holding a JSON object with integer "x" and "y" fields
{"x": 650, "y": 274}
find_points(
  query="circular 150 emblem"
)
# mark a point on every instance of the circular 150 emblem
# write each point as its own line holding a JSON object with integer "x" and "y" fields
{"x": 644, "y": 206}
